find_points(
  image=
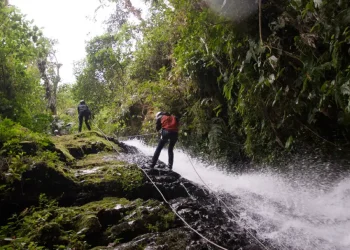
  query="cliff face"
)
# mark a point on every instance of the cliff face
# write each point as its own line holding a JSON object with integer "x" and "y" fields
{"x": 81, "y": 192}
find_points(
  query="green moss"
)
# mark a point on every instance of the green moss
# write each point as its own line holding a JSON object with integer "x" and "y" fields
{"x": 164, "y": 221}
{"x": 51, "y": 225}
{"x": 63, "y": 150}
{"x": 100, "y": 159}
{"x": 49, "y": 234}
{"x": 12, "y": 133}
{"x": 154, "y": 215}
{"x": 21, "y": 163}
{"x": 89, "y": 224}
{"x": 129, "y": 177}
{"x": 85, "y": 139}
{"x": 56, "y": 227}
{"x": 21, "y": 149}
{"x": 21, "y": 244}
{"x": 106, "y": 203}
{"x": 104, "y": 167}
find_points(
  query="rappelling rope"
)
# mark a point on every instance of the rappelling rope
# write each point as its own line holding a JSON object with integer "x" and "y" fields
{"x": 166, "y": 201}
{"x": 140, "y": 135}
{"x": 217, "y": 197}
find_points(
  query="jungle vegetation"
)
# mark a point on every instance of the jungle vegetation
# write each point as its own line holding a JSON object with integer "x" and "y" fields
{"x": 29, "y": 73}
{"x": 255, "y": 84}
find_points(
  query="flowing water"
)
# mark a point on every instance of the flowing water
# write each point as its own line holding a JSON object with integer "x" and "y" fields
{"x": 292, "y": 211}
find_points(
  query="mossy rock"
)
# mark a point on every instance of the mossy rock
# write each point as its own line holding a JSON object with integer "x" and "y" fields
{"x": 120, "y": 180}
{"x": 89, "y": 224}
{"x": 17, "y": 194}
{"x": 99, "y": 159}
{"x": 69, "y": 226}
{"x": 75, "y": 170}
{"x": 16, "y": 139}
{"x": 110, "y": 220}
{"x": 148, "y": 216}
{"x": 49, "y": 235}
{"x": 78, "y": 145}
{"x": 22, "y": 187}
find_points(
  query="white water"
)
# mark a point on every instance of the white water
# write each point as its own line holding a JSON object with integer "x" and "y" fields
{"x": 291, "y": 212}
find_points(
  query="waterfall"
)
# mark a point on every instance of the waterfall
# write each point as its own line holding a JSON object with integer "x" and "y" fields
{"x": 292, "y": 211}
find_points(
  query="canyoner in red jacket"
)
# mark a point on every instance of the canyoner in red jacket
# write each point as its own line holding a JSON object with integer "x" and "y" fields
{"x": 169, "y": 125}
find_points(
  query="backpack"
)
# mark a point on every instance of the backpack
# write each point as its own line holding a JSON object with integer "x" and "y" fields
{"x": 83, "y": 109}
{"x": 170, "y": 123}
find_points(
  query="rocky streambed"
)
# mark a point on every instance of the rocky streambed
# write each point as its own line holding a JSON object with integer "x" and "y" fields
{"x": 85, "y": 192}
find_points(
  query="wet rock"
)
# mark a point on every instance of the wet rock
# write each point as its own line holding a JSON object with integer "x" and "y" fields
{"x": 49, "y": 235}
{"x": 89, "y": 224}
{"x": 147, "y": 217}
{"x": 38, "y": 179}
{"x": 42, "y": 178}
{"x": 76, "y": 152}
{"x": 109, "y": 217}
{"x": 175, "y": 239}
{"x": 85, "y": 143}
{"x": 92, "y": 148}
{"x": 71, "y": 111}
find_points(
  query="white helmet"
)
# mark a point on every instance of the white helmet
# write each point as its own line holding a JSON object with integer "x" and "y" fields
{"x": 158, "y": 115}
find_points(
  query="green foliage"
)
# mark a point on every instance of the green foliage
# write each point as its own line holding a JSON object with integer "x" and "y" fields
{"x": 12, "y": 133}
{"x": 234, "y": 92}
{"x": 21, "y": 95}
{"x": 21, "y": 149}
{"x": 45, "y": 202}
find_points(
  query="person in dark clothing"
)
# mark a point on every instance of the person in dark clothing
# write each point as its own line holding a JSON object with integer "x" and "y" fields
{"x": 169, "y": 125}
{"x": 84, "y": 113}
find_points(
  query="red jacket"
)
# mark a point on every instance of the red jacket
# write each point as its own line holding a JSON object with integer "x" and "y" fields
{"x": 168, "y": 122}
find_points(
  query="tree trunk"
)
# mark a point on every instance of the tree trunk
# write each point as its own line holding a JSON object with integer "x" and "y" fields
{"x": 50, "y": 89}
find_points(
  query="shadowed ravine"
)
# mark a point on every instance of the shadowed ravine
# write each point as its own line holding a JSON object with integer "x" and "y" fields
{"x": 292, "y": 212}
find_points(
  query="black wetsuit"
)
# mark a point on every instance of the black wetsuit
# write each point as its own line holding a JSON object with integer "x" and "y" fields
{"x": 84, "y": 112}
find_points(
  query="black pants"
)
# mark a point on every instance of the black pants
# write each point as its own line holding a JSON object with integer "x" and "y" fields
{"x": 166, "y": 136}
{"x": 81, "y": 117}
